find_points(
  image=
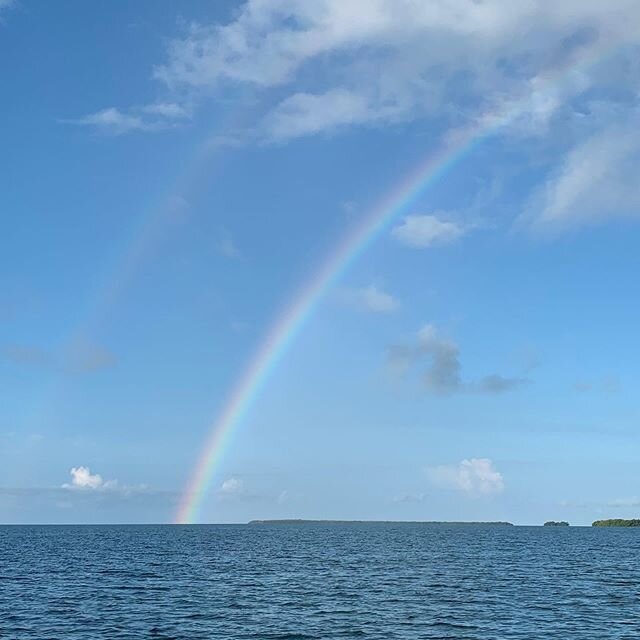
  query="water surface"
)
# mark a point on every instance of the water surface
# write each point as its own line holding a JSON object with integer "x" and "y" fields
{"x": 319, "y": 581}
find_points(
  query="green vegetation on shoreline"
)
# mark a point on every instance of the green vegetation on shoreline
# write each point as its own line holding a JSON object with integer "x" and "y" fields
{"x": 556, "y": 523}
{"x": 616, "y": 522}
{"x": 296, "y": 521}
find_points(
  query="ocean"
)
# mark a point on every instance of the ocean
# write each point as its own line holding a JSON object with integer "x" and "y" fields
{"x": 295, "y": 582}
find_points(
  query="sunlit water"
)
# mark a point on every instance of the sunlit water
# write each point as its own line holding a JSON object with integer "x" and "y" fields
{"x": 313, "y": 581}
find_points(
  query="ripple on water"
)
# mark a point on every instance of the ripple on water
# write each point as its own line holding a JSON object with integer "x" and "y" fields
{"x": 320, "y": 582}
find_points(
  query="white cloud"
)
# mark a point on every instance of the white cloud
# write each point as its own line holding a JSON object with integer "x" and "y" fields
{"x": 370, "y": 299}
{"x": 151, "y": 117}
{"x": 82, "y": 478}
{"x": 596, "y": 181}
{"x": 441, "y": 358}
{"x": 473, "y": 476}
{"x": 170, "y": 110}
{"x": 235, "y": 490}
{"x": 340, "y": 63}
{"x": 112, "y": 120}
{"x": 232, "y": 486}
{"x": 306, "y": 113}
{"x": 376, "y": 59}
{"x": 423, "y": 231}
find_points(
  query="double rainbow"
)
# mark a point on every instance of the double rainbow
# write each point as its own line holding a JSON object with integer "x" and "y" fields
{"x": 398, "y": 201}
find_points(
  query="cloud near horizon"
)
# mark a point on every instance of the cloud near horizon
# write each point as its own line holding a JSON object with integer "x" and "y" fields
{"x": 232, "y": 486}
{"x": 471, "y": 476}
{"x": 82, "y": 478}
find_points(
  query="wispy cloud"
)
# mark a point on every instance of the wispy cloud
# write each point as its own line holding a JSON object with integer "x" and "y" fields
{"x": 79, "y": 357}
{"x": 305, "y": 114}
{"x": 338, "y": 64}
{"x": 147, "y": 118}
{"x": 167, "y": 110}
{"x": 284, "y": 497}
{"x": 387, "y": 60}
{"x": 607, "y": 384}
{"x": 439, "y": 357}
{"x": 595, "y": 182}
{"x": 424, "y": 231}
{"x": 87, "y": 357}
{"x": 623, "y": 503}
{"x": 226, "y": 245}
{"x": 472, "y": 476}
{"x": 370, "y": 299}
{"x": 233, "y": 489}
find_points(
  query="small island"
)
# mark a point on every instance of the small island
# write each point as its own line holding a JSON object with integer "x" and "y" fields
{"x": 556, "y": 523}
{"x": 616, "y": 522}
{"x": 334, "y": 522}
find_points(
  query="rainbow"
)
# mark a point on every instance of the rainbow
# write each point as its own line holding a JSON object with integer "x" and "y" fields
{"x": 398, "y": 201}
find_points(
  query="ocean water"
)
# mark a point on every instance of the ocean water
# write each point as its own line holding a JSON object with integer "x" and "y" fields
{"x": 319, "y": 581}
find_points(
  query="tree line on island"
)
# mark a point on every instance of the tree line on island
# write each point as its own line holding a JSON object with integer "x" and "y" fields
{"x": 333, "y": 522}
{"x": 613, "y": 522}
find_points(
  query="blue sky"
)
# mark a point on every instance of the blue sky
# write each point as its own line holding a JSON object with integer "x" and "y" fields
{"x": 173, "y": 175}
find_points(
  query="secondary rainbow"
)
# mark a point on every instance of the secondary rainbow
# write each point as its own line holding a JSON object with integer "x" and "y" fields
{"x": 290, "y": 322}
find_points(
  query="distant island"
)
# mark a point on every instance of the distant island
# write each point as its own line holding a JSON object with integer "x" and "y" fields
{"x": 556, "y": 523}
{"x": 300, "y": 521}
{"x": 616, "y": 522}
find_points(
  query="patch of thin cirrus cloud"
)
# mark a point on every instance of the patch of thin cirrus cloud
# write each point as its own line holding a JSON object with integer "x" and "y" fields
{"x": 79, "y": 357}
{"x": 372, "y": 51}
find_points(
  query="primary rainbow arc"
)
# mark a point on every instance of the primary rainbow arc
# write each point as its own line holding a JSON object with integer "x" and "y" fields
{"x": 289, "y": 323}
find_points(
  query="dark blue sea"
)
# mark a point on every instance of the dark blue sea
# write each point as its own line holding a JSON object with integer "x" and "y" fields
{"x": 319, "y": 581}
